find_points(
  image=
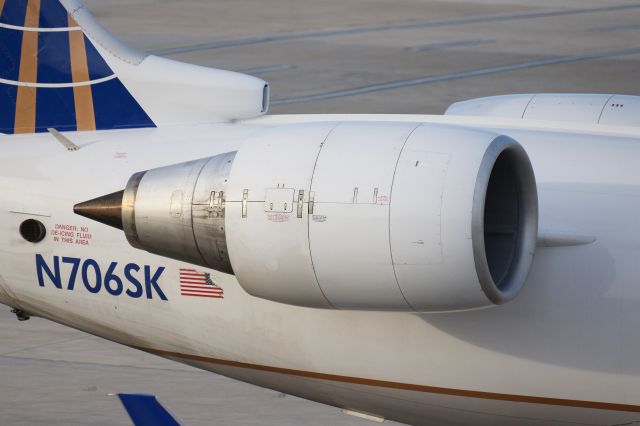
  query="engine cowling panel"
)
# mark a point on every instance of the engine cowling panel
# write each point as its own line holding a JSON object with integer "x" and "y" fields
{"x": 377, "y": 216}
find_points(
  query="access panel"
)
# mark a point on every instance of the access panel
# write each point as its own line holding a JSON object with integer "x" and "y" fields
{"x": 267, "y": 236}
{"x": 349, "y": 228}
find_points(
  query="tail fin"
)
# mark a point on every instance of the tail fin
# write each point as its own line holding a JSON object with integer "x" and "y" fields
{"x": 60, "y": 69}
{"x": 146, "y": 410}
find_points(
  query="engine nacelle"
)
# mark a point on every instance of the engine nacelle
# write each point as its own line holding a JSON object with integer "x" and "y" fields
{"x": 376, "y": 216}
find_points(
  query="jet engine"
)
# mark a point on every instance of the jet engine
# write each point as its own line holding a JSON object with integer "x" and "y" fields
{"x": 353, "y": 215}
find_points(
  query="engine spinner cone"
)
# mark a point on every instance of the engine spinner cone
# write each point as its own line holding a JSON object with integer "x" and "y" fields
{"x": 106, "y": 209}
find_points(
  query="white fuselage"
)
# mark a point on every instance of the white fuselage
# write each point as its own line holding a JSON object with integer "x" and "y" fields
{"x": 566, "y": 349}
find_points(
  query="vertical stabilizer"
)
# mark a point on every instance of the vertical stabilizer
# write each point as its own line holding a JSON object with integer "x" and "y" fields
{"x": 60, "y": 69}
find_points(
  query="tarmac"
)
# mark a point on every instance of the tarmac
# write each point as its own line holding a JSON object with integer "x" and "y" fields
{"x": 330, "y": 56}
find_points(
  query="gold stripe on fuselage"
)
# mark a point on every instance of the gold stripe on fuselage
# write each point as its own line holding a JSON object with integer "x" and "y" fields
{"x": 25, "y": 121}
{"x": 83, "y": 97}
{"x": 561, "y": 402}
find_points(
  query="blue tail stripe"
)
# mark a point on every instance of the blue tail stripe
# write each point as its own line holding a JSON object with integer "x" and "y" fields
{"x": 115, "y": 108}
{"x": 10, "y": 48}
{"x": 98, "y": 68}
{"x": 14, "y": 12}
{"x": 145, "y": 410}
{"x": 53, "y": 14}
{"x": 55, "y": 108}
{"x": 54, "y": 58}
{"x": 8, "y": 96}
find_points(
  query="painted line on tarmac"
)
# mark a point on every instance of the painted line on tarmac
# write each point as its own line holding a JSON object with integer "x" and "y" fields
{"x": 454, "y": 76}
{"x": 615, "y": 28}
{"x": 265, "y": 70}
{"x": 448, "y": 45}
{"x": 378, "y": 28}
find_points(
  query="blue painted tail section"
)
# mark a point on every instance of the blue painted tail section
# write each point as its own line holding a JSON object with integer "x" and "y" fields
{"x": 52, "y": 76}
{"x": 145, "y": 410}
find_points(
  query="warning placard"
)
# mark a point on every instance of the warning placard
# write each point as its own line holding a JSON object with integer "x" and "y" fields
{"x": 71, "y": 234}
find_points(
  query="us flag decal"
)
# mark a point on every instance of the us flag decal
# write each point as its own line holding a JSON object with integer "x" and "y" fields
{"x": 198, "y": 284}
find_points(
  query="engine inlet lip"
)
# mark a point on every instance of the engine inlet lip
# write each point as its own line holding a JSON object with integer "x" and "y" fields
{"x": 512, "y": 283}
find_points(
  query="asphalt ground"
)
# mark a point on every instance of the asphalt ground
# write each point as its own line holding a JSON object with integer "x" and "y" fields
{"x": 330, "y": 56}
